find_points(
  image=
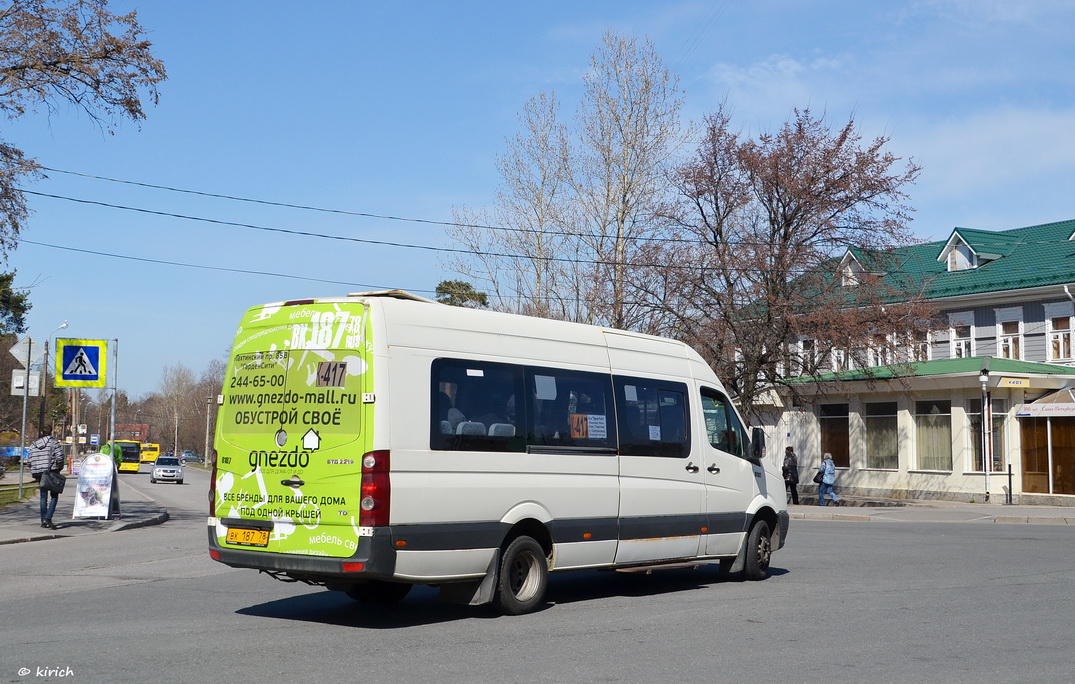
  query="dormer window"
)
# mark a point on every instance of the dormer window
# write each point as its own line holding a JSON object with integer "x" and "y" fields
{"x": 961, "y": 258}
{"x": 850, "y": 271}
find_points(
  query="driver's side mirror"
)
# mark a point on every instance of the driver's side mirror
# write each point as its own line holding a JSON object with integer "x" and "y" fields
{"x": 757, "y": 444}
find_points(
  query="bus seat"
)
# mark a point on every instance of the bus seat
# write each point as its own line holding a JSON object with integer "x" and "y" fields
{"x": 470, "y": 427}
{"x": 501, "y": 430}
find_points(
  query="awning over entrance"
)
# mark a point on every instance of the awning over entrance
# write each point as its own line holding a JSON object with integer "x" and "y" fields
{"x": 1054, "y": 404}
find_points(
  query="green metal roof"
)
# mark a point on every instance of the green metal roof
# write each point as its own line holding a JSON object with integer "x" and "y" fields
{"x": 1035, "y": 256}
{"x": 974, "y": 364}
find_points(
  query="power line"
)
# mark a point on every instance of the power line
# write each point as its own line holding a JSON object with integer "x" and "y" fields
{"x": 386, "y": 217}
{"x": 453, "y": 250}
{"x": 202, "y": 266}
{"x": 303, "y": 233}
{"x": 344, "y": 212}
{"x": 449, "y": 224}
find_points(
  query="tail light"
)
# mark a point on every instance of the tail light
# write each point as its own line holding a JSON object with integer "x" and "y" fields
{"x": 376, "y": 490}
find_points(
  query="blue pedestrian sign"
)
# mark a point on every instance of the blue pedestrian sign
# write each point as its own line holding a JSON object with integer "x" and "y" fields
{"x": 81, "y": 363}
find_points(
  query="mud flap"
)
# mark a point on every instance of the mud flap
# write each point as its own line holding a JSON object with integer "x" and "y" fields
{"x": 475, "y": 593}
{"x": 741, "y": 559}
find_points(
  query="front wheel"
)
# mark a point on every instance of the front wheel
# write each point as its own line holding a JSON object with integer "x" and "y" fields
{"x": 522, "y": 577}
{"x": 759, "y": 552}
{"x": 152, "y": 481}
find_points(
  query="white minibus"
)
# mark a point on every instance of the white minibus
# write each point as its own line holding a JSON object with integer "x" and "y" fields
{"x": 372, "y": 442}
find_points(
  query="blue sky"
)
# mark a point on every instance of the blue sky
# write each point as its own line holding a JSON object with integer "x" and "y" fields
{"x": 399, "y": 109}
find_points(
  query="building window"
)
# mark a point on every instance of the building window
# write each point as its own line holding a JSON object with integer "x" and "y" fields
{"x": 962, "y": 333}
{"x": 1060, "y": 338}
{"x": 933, "y": 435}
{"x": 835, "y": 433}
{"x": 1011, "y": 337}
{"x": 840, "y": 360}
{"x": 807, "y": 356}
{"x": 881, "y": 351}
{"x": 916, "y": 346}
{"x": 974, "y": 414}
{"x": 1010, "y": 333}
{"x": 882, "y": 435}
{"x": 962, "y": 342}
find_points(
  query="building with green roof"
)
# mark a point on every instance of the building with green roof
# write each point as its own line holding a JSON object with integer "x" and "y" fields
{"x": 1002, "y": 342}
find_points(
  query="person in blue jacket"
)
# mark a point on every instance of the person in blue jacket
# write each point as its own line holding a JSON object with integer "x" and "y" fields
{"x": 828, "y": 479}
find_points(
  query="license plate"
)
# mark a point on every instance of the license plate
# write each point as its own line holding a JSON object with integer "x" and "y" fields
{"x": 245, "y": 537}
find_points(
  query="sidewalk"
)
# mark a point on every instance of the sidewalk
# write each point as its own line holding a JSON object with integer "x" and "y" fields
{"x": 874, "y": 510}
{"x": 21, "y": 522}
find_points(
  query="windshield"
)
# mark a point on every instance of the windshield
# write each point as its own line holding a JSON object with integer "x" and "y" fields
{"x": 168, "y": 461}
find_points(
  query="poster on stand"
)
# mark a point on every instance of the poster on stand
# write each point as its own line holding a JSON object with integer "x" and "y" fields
{"x": 93, "y": 498}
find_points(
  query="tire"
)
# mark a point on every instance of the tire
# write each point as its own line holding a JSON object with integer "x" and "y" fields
{"x": 151, "y": 480}
{"x": 759, "y": 552}
{"x": 179, "y": 482}
{"x": 379, "y": 593}
{"x": 522, "y": 576}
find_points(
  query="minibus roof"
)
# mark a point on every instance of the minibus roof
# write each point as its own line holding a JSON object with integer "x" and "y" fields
{"x": 395, "y": 294}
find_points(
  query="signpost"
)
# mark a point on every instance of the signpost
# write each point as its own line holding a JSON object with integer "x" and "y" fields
{"x": 25, "y": 351}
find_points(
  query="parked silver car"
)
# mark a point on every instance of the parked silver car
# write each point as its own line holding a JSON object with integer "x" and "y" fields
{"x": 167, "y": 469}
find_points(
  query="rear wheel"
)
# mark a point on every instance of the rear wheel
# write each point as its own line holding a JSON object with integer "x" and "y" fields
{"x": 379, "y": 593}
{"x": 522, "y": 577}
{"x": 759, "y": 552}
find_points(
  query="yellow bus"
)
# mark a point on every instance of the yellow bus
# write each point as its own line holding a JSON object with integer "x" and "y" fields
{"x": 131, "y": 455}
{"x": 150, "y": 452}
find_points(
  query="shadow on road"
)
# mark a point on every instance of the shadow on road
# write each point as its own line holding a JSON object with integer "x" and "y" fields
{"x": 422, "y": 606}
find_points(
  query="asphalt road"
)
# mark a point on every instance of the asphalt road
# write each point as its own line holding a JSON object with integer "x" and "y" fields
{"x": 847, "y": 602}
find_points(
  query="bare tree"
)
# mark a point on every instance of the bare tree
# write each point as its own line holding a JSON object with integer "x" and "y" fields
{"x": 628, "y": 130}
{"x": 521, "y": 257}
{"x": 56, "y": 52}
{"x": 178, "y": 406}
{"x": 792, "y": 265}
{"x": 209, "y": 385}
{"x": 573, "y": 209}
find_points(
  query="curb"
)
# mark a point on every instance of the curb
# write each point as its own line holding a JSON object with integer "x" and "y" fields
{"x": 161, "y": 516}
{"x": 31, "y": 538}
{"x": 996, "y": 519}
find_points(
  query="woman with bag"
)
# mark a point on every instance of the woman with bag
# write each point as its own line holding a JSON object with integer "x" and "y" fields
{"x": 46, "y": 462}
{"x": 827, "y": 474}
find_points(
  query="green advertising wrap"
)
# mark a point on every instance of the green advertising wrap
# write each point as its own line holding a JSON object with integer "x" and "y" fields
{"x": 292, "y": 429}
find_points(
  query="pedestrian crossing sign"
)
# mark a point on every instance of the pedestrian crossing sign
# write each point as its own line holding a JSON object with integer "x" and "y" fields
{"x": 81, "y": 363}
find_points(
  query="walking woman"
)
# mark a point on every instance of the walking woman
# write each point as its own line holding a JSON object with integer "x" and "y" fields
{"x": 828, "y": 479}
{"x": 791, "y": 474}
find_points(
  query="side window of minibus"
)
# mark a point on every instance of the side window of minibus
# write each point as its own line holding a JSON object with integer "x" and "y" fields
{"x": 473, "y": 406}
{"x": 569, "y": 409}
{"x": 652, "y": 417}
{"x": 723, "y": 427}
